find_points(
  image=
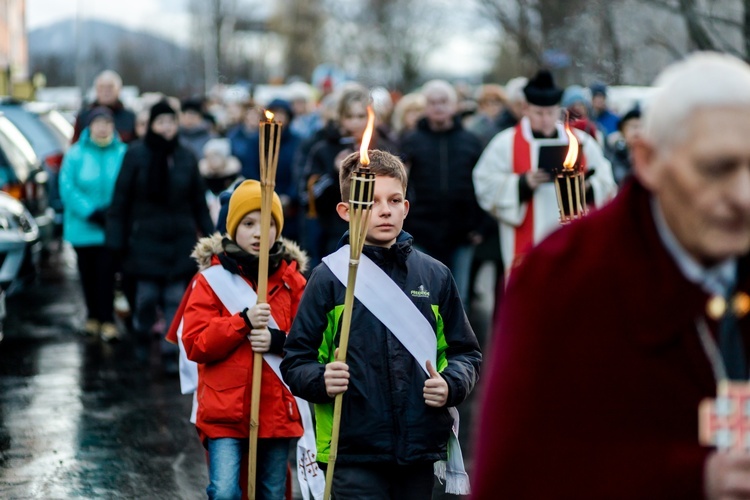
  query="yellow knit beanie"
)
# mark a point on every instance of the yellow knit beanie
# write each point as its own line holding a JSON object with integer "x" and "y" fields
{"x": 246, "y": 199}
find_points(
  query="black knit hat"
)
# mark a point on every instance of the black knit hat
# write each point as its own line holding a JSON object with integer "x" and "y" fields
{"x": 160, "y": 108}
{"x": 194, "y": 105}
{"x": 283, "y": 105}
{"x": 630, "y": 115}
{"x": 99, "y": 112}
{"x": 541, "y": 90}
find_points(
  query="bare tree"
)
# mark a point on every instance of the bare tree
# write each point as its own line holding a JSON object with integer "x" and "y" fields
{"x": 711, "y": 25}
{"x": 384, "y": 42}
{"x": 300, "y": 22}
{"x": 409, "y": 33}
{"x": 611, "y": 49}
{"x": 213, "y": 24}
{"x": 545, "y": 32}
{"x": 698, "y": 34}
{"x": 588, "y": 32}
{"x": 514, "y": 20}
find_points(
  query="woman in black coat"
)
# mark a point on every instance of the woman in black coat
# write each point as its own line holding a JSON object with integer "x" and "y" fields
{"x": 157, "y": 214}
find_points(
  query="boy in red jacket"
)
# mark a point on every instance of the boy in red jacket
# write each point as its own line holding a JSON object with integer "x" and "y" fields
{"x": 223, "y": 326}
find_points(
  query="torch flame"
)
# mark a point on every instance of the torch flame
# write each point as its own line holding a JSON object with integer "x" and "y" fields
{"x": 364, "y": 158}
{"x": 269, "y": 116}
{"x": 572, "y": 156}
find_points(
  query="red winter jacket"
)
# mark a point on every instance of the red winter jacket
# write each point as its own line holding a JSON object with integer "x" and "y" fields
{"x": 218, "y": 342}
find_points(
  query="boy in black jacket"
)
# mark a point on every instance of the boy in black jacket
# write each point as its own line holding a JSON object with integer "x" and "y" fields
{"x": 395, "y": 421}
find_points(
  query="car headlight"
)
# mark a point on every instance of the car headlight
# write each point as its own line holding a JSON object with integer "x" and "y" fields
{"x": 17, "y": 218}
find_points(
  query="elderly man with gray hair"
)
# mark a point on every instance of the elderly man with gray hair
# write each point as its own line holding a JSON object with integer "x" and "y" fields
{"x": 615, "y": 329}
{"x": 107, "y": 86}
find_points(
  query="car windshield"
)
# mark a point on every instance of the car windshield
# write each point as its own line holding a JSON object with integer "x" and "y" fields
{"x": 16, "y": 149}
{"x": 40, "y": 136}
{"x": 61, "y": 127}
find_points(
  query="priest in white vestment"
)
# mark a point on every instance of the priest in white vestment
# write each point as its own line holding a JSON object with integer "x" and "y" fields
{"x": 513, "y": 179}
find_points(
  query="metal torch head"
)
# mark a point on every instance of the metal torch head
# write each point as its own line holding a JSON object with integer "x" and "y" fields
{"x": 269, "y": 145}
{"x": 570, "y": 183}
{"x": 361, "y": 193}
{"x": 362, "y": 189}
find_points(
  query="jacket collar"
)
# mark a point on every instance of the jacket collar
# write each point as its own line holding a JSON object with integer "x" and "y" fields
{"x": 397, "y": 252}
{"x": 718, "y": 279}
{"x": 667, "y": 304}
{"x": 208, "y": 248}
{"x": 86, "y": 139}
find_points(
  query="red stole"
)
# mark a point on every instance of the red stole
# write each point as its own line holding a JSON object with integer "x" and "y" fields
{"x": 524, "y": 234}
{"x": 524, "y": 239}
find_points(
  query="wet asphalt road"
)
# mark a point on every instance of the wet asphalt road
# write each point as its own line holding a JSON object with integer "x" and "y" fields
{"x": 81, "y": 419}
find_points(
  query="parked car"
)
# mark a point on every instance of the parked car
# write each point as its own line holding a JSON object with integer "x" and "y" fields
{"x": 23, "y": 177}
{"x": 49, "y": 134}
{"x": 2, "y": 314}
{"x": 20, "y": 247}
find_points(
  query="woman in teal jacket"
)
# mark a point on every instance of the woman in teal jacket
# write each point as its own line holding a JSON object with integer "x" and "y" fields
{"x": 87, "y": 182}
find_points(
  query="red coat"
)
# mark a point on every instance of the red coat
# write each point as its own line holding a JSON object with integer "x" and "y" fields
{"x": 596, "y": 371}
{"x": 218, "y": 342}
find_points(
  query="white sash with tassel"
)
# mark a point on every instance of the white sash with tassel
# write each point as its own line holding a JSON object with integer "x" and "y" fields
{"x": 235, "y": 293}
{"x": 383, "y": 298}
{"x": 188, "y": 372}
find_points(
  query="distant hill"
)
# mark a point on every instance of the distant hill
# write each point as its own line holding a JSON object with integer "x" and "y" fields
{"x": 148, "y": 61}
{"x": 60, "y": 38}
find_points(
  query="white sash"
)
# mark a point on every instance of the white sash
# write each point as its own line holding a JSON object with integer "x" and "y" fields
{"x": 188, "y": 372}
{"x": 188, "y": 375}
{"x": 235, "y": 293}
{"x": 385, "y": 299}
{"x": 188, "y": 369}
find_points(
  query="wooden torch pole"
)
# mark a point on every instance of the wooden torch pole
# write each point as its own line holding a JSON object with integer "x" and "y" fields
{"x": 270, "y": 137}
{"x": 360, "y": 205}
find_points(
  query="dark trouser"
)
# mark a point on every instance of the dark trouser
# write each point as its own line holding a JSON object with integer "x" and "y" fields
{"x": 151, "y": 295}
{"x": 128, "y": 284}
{"x": 383, "y": 481}
{"x": 95, "y": 266}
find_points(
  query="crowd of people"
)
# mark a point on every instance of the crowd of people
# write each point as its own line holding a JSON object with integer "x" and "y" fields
{"x": 438, "y": 132}
{"x": 460, "y": 180}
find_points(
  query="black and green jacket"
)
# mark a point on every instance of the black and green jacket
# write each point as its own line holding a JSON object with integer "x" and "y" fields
{"x": 384, "y": 417}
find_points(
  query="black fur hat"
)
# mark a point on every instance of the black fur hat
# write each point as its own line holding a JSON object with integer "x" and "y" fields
{"x": 541, "y": 90}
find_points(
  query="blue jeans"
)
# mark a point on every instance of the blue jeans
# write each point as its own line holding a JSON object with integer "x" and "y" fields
{"x": 460, "y": 267}
{"x": 225, "y": 459}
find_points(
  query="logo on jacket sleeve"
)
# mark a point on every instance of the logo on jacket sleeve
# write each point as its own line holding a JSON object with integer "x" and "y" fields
{"x": 421, "y": 291}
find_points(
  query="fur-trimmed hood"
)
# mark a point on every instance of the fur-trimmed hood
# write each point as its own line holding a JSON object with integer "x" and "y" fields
{"x": 209, "y": 246}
